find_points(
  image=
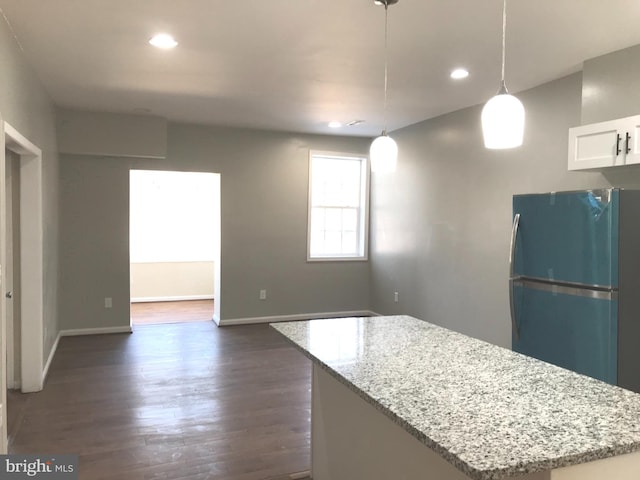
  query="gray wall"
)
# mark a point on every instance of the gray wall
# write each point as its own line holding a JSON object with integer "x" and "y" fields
{"x": 610, "y": 86}
{"x": 111, "y": 134}
{"x": 26, "y": 106}
{"x": 264, "y": 181}
{"x": 441, "y": 224}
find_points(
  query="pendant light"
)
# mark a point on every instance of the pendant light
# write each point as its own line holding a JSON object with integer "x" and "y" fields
{"x": 384, "y": 150}
{"x": 503, "y": 115}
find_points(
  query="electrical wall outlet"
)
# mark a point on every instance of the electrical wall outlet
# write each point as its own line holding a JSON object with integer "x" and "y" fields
{"x": 395, "y": 297}
{"x": 263, "y": 294}
{"x": 108, "y": 302}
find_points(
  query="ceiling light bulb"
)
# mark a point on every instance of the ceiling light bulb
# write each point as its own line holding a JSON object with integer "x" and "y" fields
{"x": 459, "y": 73}
{"x": 383, "y": 154}
{"x": 163, "y": 40}
{"x": 503, "y": 122}
{"x": 334, "y": 124}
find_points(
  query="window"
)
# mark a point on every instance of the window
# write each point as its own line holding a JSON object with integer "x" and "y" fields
{"x": 338, "y": 206}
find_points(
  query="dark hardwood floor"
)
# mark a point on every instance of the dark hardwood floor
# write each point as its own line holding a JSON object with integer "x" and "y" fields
{"x": 152, "y": 313}
{"x": 173, "y": 401}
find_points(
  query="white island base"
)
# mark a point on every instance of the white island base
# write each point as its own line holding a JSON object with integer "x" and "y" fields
{"x": 351, "y": 440}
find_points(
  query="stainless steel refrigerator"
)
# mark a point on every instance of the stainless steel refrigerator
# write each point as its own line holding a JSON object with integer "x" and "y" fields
{"x": 574, "y": 284}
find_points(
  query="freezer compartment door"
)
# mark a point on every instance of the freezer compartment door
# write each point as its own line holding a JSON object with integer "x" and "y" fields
{"x": 572, "y": 331}
{"x": 568, "y": 237}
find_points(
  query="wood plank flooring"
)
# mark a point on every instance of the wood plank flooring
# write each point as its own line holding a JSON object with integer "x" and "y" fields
{"x": 152, "y": 313}
{"x": 187, "y": 401}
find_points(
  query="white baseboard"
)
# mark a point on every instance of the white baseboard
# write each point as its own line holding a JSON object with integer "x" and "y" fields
{"x": 94, "y": 331}
{"x": 171, "y": 299}
{"x": 290, "y": 318}
{"x": 45, "y": 372}
{"x": 300, "y": 475}
{"x": 216, "y": 319}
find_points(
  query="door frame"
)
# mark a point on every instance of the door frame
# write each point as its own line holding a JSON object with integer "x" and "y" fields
{"x": 31, "y": 258}
{"x": 217, "y": 221}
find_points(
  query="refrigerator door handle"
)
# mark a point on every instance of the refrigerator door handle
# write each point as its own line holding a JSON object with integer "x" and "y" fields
{"x": 512, "y": 255}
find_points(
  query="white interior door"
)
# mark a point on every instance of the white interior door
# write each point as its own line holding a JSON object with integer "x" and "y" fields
{"x": 3, "y": 323}
{"x": 12, "y": 268}
{"x": 8, "y": 271}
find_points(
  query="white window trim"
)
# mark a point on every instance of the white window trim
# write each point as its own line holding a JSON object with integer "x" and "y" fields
{"x": 365, "y": 199}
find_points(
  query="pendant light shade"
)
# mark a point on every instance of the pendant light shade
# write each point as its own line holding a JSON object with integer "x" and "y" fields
{"x": 503, "y": 122}
{"x": 383, "y": 152}
{"x": 503, "y": 115}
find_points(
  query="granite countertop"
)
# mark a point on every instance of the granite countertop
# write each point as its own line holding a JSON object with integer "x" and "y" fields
{"x": 490, "y": 412}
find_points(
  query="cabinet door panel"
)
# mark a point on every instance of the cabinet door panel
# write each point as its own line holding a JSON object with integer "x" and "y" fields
{"x": 594, "y": 146}
{"x": 633, "y": 129}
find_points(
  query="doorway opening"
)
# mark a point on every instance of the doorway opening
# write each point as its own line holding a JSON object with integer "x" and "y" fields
{"x": 24, "y": 296}
{"x": 174, "y": 246}
{"x": 21, "y": 257}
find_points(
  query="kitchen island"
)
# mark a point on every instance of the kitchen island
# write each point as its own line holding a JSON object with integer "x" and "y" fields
{"x": 398, "y": 398}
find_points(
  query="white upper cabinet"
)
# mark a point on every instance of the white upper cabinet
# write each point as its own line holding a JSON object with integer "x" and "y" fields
{"x": 605, "y": 144}
{"x": 633, "y": 129}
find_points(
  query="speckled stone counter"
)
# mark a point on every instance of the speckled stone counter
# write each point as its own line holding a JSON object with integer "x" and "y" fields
{"x": 489, "y": 412}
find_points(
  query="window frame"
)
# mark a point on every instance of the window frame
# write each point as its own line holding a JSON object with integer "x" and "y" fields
{"x": 362, "y": 232}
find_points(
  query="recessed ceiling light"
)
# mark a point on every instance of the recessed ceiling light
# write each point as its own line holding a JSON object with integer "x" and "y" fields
{"x": 163, "y": 40}
{"x": 335, "y": 124}
{"x": 459, "y": 73}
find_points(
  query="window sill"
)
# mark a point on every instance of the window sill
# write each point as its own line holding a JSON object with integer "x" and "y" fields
{"x": 337, "y": 259}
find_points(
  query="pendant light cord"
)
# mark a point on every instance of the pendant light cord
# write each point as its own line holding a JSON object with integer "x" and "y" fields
{"x": 386, "y": 64}
{"x": 503, "y": 87}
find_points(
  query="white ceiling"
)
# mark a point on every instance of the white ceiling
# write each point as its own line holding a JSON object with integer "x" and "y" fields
{"x": 297, "y": 64}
